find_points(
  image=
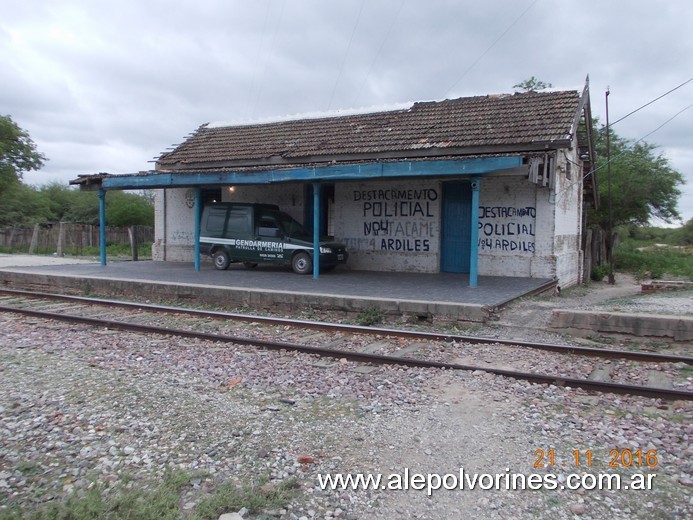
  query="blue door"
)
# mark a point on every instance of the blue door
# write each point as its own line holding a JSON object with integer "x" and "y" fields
{"x": 455, "y": 233}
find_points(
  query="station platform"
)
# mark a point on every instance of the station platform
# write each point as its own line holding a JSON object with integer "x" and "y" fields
{"x": 268, "y": 287}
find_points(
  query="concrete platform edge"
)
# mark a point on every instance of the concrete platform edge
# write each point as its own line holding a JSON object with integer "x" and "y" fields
{"x": 678, "y": 328}
{"x": 234, "y": 296}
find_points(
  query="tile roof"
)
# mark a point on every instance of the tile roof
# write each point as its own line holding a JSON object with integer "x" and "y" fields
{"x": 450, "y": 127}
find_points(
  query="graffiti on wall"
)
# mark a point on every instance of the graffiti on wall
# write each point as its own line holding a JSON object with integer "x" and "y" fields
{"x": 507, "y": 228}
{"x": 396, "y": 219}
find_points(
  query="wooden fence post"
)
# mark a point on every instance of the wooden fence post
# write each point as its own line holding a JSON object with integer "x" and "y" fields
{"x": 34, "y": 239}
{"x": 61, "y": 240}
{"x": 587, "y": 259}
{"x": 132, "y": 235}
{"x": 9, "y": 243}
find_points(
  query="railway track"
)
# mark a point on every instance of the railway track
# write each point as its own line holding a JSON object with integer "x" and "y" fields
{"x": 615, "y": 371}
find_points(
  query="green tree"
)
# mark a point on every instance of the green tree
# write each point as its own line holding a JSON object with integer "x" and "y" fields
{"x": 532, "y": 85}
{"x": 60, "y": 199}
{"x": 18, "y": 153}
{"x": 128, "y": 209}
{"x": 22, "y": 205}
{"x": 63, "y": 203}
{"x": 84, "y": 207}
{"x": 643, "y": 183}
{"x": 684, "y": 235}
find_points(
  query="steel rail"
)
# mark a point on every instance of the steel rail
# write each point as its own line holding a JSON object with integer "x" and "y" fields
{"x": 317, "y": 325}
{"x": 585, "y": 384}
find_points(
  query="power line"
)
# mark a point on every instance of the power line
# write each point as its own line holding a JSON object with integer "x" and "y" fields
{"x": 626, "y": 150}
{"x": 377, "y": 54}
{"x": 268, "y": 56}
{"x": 649, "y": 103}
{"x": 665, "y": 122}
{"x": 489, "y": 48}
{"x": 346, "y": 53}
{"x": 251, "y": 93}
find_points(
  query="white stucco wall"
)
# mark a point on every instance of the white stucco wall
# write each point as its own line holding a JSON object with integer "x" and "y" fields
{"x": 527, "y": 229}
{"x": 390, "y": 226}
{"x": 508, "y": 239}
{"x": 568, "y": 221}
{"x": 174, "y": 229}
{"x": 543, "y": 264}
{"x": 289, "y": 197}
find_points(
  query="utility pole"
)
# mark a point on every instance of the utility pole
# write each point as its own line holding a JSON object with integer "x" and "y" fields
{"x": 610, "y": 240}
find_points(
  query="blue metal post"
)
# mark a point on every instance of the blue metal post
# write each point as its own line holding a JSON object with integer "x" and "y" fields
{"x": 316, "y": 230}
{"x": 102, "y": 224}
{"x": 198, "y": 215}
{"x": 474, "y": 245}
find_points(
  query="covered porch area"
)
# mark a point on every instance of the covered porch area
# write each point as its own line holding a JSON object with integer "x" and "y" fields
{"x": 471, "y": 170}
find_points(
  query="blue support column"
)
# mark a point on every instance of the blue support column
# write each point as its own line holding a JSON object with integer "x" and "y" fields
{"x": 102, "y": 224}
{"x": 474, "y": 240}
{"x": 198, "y": 215}
{"x": 316, "y": 230}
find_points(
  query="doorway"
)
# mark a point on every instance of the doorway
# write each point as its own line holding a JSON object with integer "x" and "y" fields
{"x": 455, "y": 236}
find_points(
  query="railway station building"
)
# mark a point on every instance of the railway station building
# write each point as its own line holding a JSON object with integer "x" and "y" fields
{"x": 494, "y": 185}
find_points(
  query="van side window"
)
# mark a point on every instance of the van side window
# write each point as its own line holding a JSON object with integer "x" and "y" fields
{"x": 268, "y": 223}
{"x": 267, "y": 226}
{"x": 215, "y": 220}
{"x": 239, "y": 221}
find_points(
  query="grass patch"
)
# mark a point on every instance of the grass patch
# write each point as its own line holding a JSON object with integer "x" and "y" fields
{"x": 686, "y": 372}
{"x": 659, "y": 262}
{"x": 655, "y": 346}
{"x": 29, "y": 468}
{"x": 161, "y": 501}
{"x": 604, "y": 340}
{"x": 679, "y": 419}
{"x": 228, "y": 498}
{"x": 370, "y": 316}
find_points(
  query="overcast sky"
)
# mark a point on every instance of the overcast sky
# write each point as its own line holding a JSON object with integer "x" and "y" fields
{"x": 105, "y": 86}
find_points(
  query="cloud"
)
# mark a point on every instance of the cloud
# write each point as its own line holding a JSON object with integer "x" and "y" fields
{"x": 111, "y": 84}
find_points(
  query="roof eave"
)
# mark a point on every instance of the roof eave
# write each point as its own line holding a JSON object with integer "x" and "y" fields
{"x": 432, "y": 153}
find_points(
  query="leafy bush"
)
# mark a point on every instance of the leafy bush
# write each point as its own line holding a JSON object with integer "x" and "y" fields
{"x": 21, "y": 204}
{"x": 599, "y": 272}
{"x": 659, "y": 262}
{"x": 370, "y": 316}
{"x": 684, "y": 235}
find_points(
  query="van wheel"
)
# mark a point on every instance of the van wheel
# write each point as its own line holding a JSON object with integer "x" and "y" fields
{"x": 301, "y": 263}
{"x": 221, "y": 259}
{"x": 250, "y": 265}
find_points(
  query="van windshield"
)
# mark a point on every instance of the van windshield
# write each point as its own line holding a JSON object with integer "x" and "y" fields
{"x": 290, "y": 227}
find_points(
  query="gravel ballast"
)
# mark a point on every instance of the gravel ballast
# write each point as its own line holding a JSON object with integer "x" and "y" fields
{"x": 80, "y": 406}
